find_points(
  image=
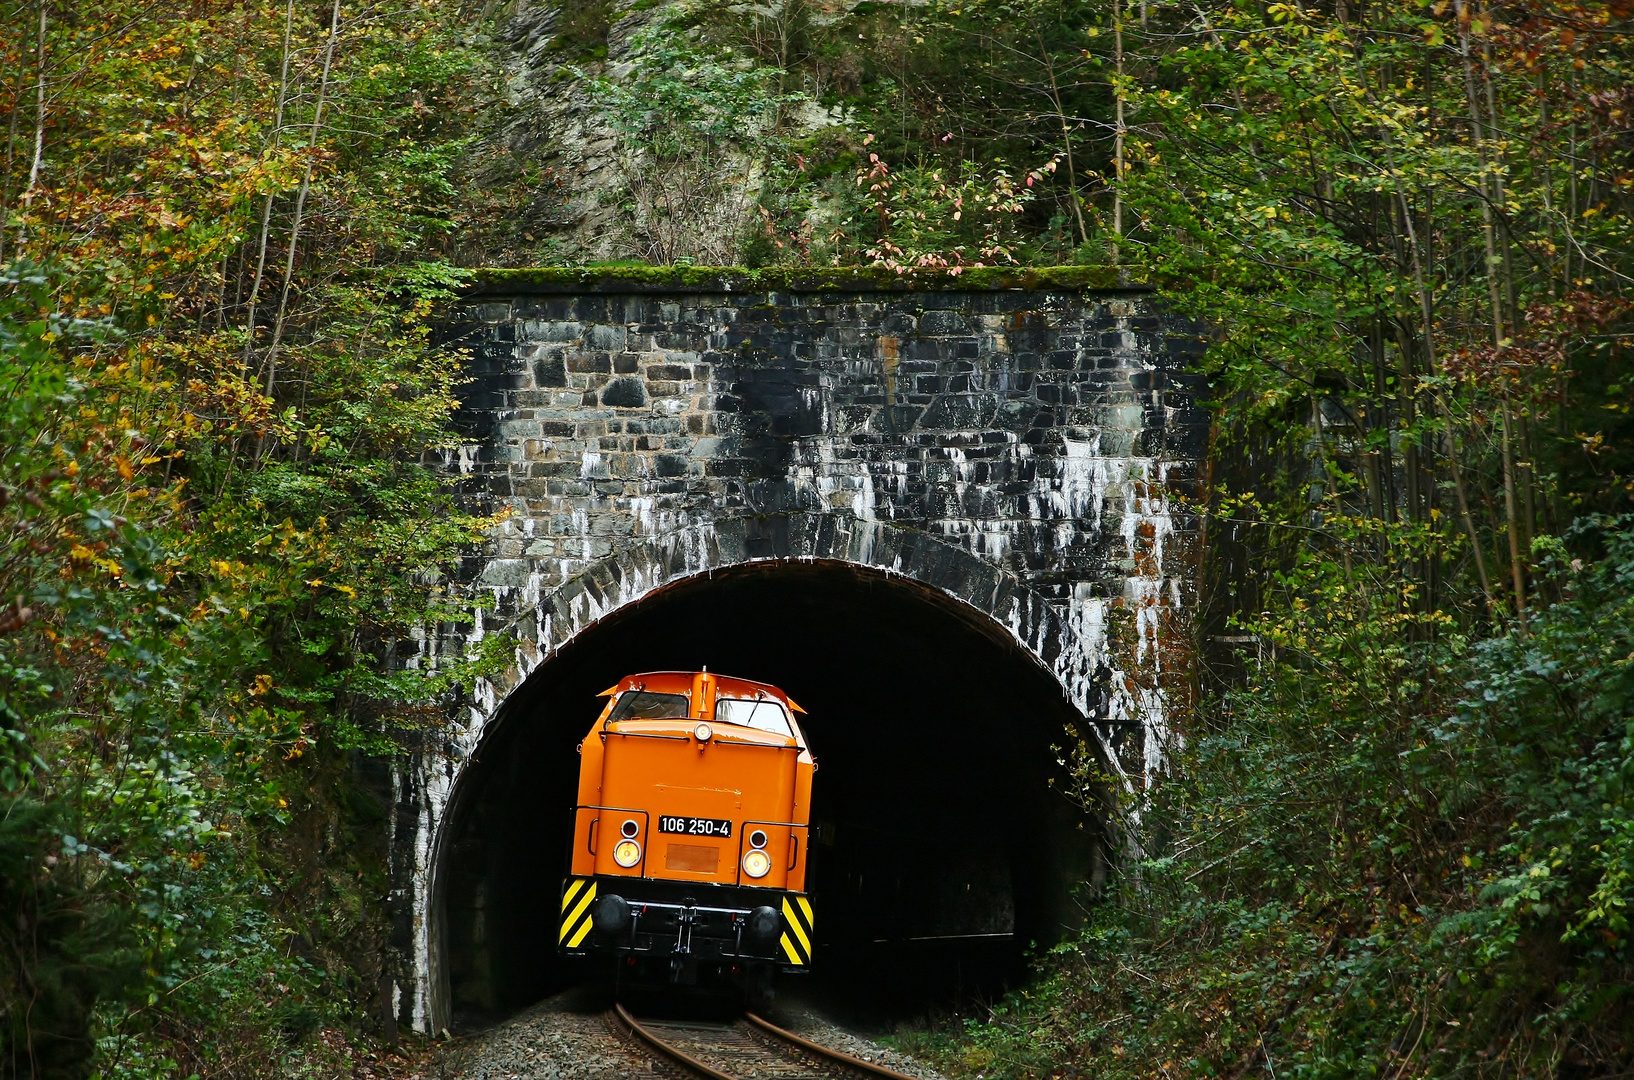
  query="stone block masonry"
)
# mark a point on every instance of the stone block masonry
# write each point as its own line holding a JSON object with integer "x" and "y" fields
{"x": 1026, "y": 446}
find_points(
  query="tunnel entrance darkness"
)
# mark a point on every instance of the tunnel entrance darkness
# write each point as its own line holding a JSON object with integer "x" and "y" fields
{"x": 943, "y": 852}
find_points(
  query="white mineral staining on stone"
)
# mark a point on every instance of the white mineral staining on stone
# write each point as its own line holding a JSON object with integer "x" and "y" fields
{"x": 642, "y": 511}
{"x": 1078, "y": 488}
{"x": 823, "y": 481}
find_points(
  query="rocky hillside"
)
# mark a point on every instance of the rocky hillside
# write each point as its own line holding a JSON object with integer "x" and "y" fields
{"x": 609, "y": 146}
{"x": 675, "y": 131}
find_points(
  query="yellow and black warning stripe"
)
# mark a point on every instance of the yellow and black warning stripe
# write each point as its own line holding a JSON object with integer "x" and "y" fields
{"x": 797, "y": 923}
{"x": 578, "y": 894}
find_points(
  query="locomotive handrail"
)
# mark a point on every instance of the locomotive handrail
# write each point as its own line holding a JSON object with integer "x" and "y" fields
{"x": 594, "y": 832}
{"x": 688, "y": 738}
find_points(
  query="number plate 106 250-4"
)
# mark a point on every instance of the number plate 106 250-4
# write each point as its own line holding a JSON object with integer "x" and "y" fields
{"x": 695, "y": 826}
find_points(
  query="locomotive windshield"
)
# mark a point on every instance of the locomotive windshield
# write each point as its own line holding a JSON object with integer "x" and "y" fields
{"x": 641, "y": 705}
{"x": 762, "y": 713}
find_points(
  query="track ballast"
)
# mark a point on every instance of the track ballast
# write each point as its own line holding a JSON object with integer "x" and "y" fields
{"x": 748, "y": 1049}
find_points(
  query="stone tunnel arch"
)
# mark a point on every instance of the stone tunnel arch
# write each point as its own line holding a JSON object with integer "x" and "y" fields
{"x": 1018, "y": 450}
{"x": 975, "y": 632}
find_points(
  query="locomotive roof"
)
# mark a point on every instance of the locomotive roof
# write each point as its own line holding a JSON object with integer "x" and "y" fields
{"x": 680, "y": 682}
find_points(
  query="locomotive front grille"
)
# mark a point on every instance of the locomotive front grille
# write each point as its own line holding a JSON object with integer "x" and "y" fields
{"x": 692, "y": 858}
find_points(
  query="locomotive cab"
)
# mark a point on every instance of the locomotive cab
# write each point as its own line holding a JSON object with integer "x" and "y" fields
{"x": 691, "y": 831}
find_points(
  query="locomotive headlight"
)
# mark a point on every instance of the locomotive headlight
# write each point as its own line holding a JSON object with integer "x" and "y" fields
{"x": 627, "y": 853}
{"x": 757, "y": 863}
{"x": 703, "y": 732}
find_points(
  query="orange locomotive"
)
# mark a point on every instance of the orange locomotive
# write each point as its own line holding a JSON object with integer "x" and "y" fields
{"x": 690, "y": 836}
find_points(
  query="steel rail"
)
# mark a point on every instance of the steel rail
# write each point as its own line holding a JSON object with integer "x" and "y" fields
{"x": 680, "y": 1057}
{"x": 825, "y": 1052}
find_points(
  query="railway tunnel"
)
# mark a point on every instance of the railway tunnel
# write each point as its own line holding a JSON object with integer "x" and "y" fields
{"x": 945, "y": 845}
{"x": 946, "y": 515}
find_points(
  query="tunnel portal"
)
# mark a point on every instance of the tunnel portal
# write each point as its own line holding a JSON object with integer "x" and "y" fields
{"x": 948, "y": 517}
{"x": 944, "y": 844}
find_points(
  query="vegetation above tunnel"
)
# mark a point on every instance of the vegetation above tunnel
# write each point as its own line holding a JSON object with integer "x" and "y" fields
{"x": 734, "y": 279}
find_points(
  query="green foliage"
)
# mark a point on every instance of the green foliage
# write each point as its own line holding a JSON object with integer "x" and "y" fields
{"x": 1375, "y": 226}
{"x": 684, "y": 93}
{"x": 1552, "y": 714}
{"x": 1396, "y": 841}
{"x": 747, "y": 123}
{"x": 697, "y": 122}
{"x": 582, "y": 30}
{"x": 221, "y": 525}
{"x": 917, "y": 218}
{"x": 1382, "y": 859}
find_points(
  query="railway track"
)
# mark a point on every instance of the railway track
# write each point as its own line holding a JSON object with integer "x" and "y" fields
{"x": 748, "y": 1049}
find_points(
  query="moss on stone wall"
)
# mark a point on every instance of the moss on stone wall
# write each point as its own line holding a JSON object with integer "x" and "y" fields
{"x": 731, "y": 279}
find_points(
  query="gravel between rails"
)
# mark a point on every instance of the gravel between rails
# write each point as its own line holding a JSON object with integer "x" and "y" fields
{"x": 567, "y": 1037}
{"x": 812, "y": 1025}
{"x": 737, "y": 1050}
